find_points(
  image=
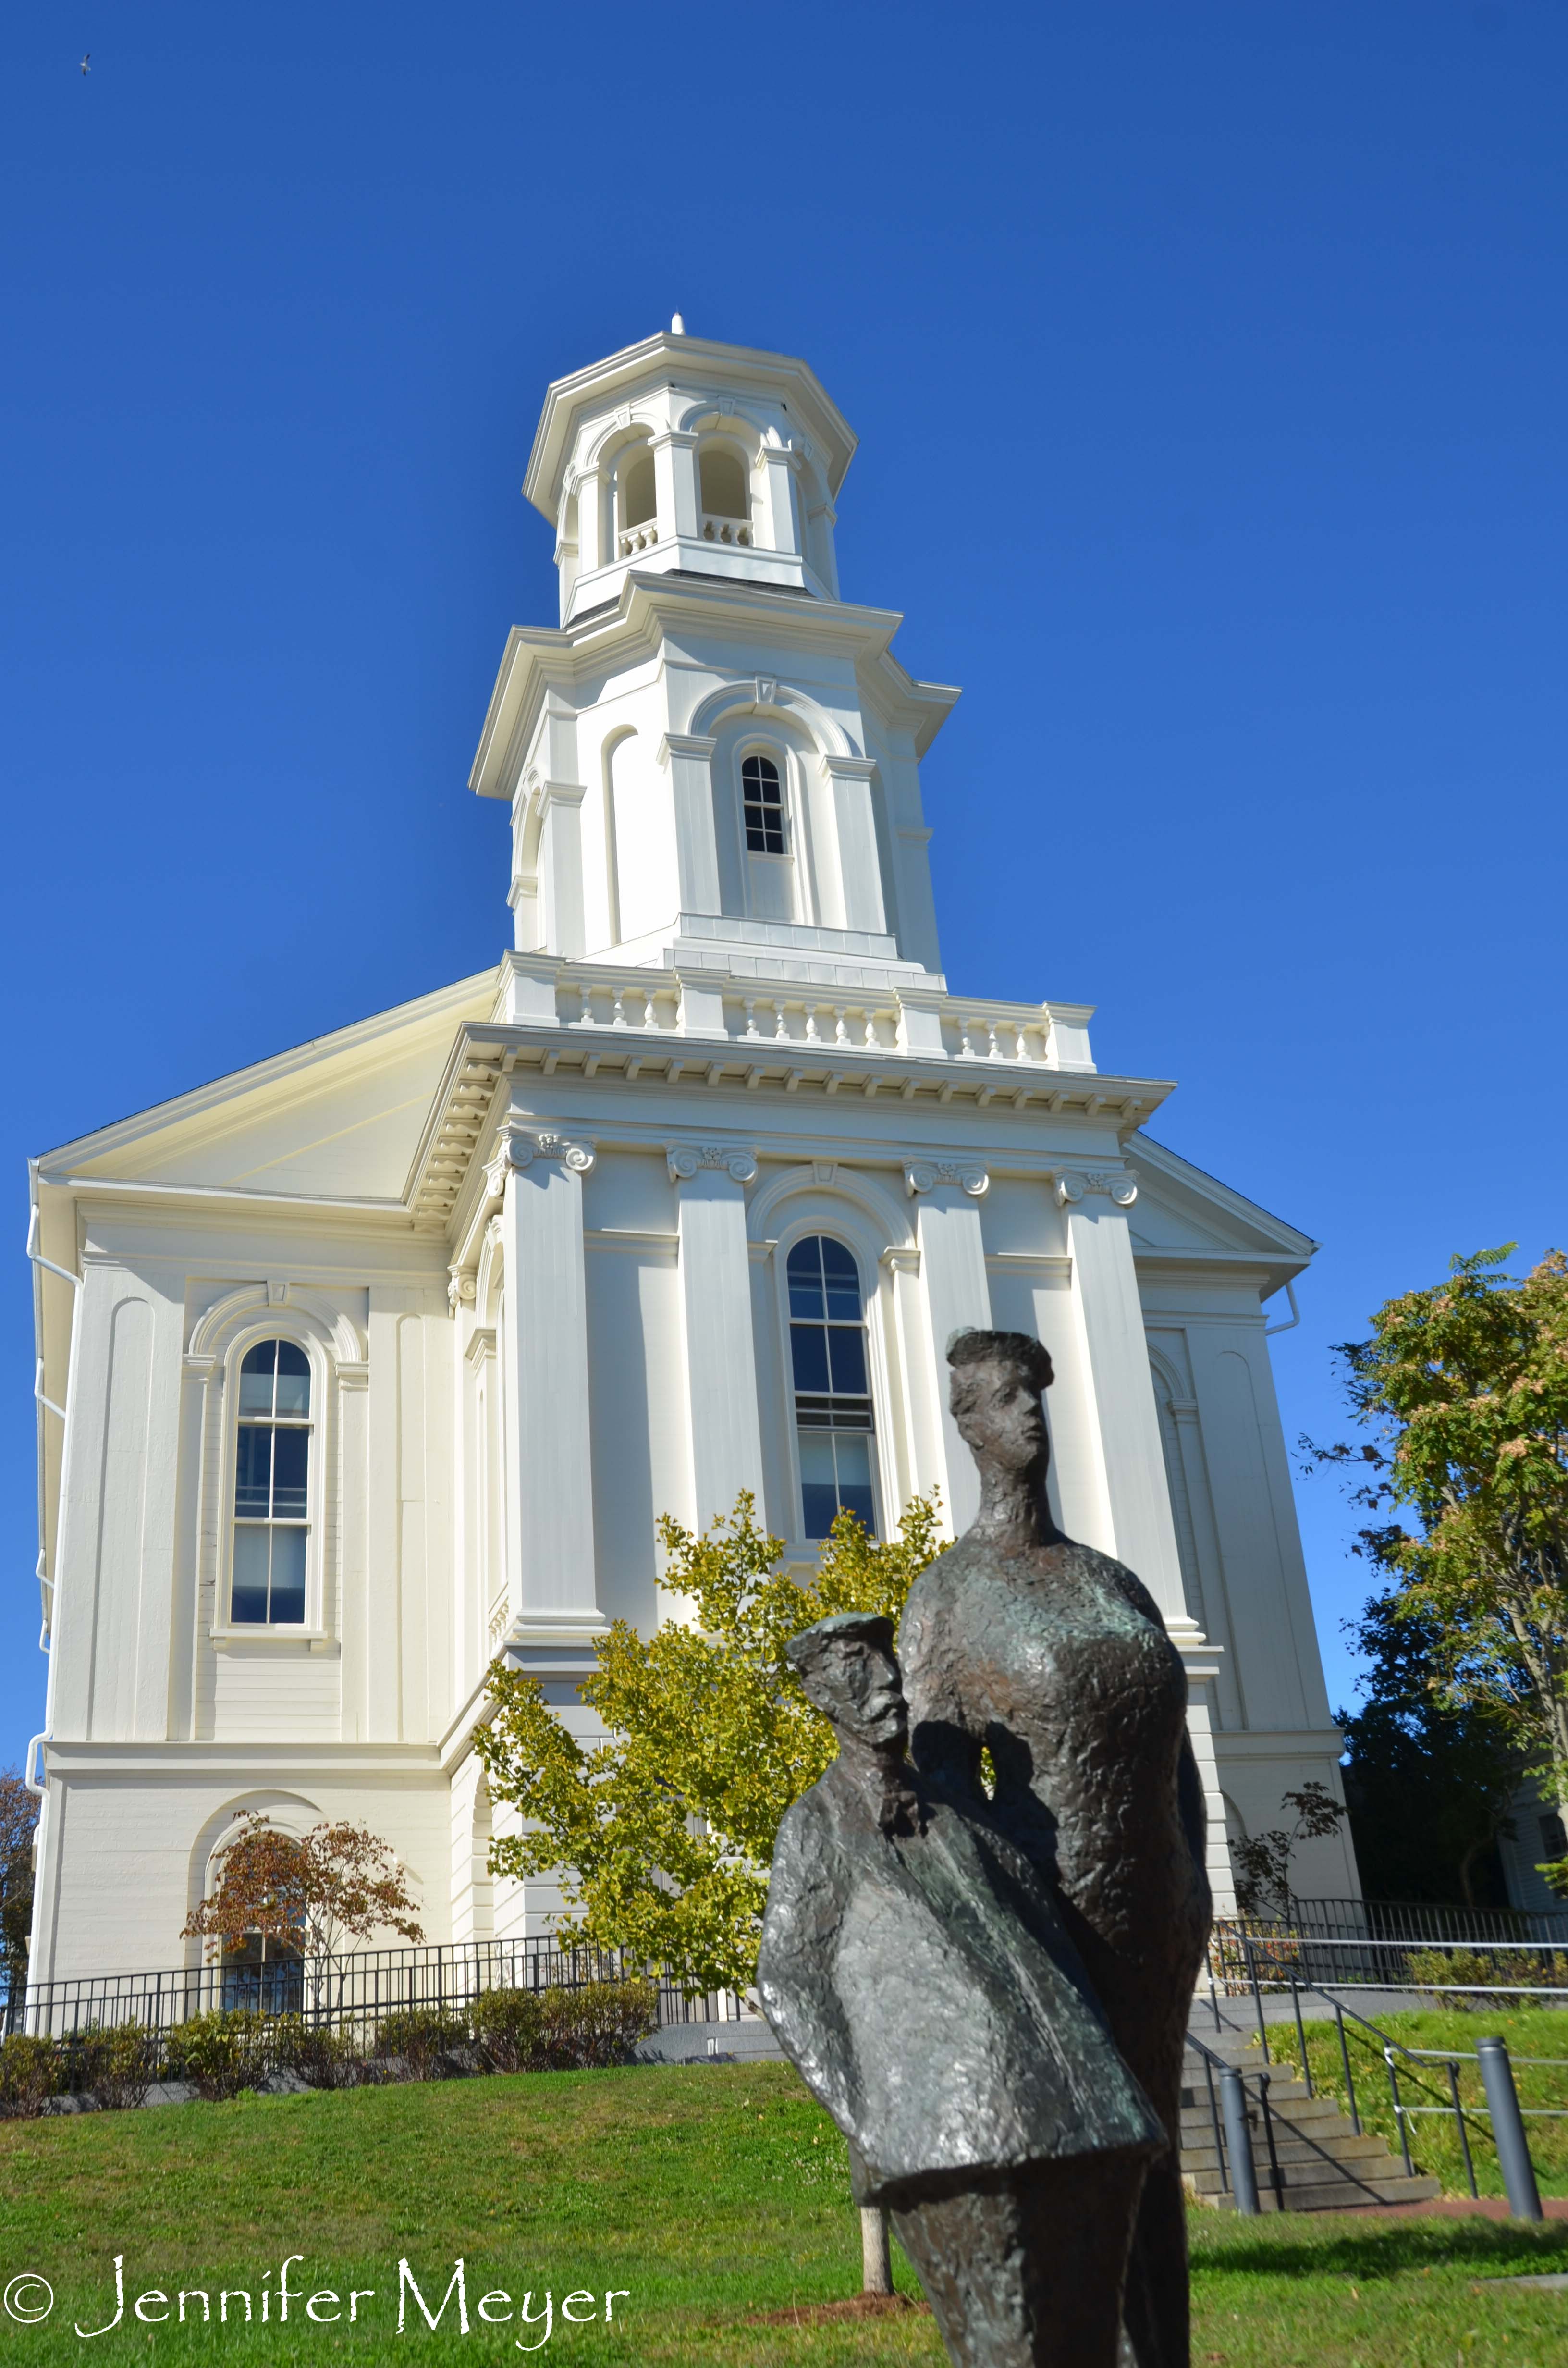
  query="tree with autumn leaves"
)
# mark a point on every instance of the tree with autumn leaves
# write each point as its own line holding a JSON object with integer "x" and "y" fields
{"x": 663, "y": 1834}
{"x": 315, "y": 1892}
{"x": 1465, "y": 1484}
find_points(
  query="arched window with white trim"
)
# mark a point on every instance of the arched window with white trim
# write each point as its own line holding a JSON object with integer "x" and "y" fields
{"x": 272, "y": 1459}
{"x": 833, "y": 1420}
{"x": 762, "y": 797}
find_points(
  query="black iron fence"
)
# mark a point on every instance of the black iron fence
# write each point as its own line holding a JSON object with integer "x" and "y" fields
{"x": 1274, "y": 1950}
{"x": 1421, "y": 1922}
{"x": 355, "y": 1992}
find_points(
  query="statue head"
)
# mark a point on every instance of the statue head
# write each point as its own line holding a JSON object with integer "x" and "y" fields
{"x": 848, "y": 1670}
{"x": 996, "y": 1397}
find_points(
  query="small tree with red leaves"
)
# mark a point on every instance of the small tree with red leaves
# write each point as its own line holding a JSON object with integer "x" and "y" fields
{"x": 336, "y": 1885}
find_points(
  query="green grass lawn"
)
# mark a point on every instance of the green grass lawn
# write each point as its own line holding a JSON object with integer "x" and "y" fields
{"x": 704, "y": 2198}
{"x": 1434, "y": 2139}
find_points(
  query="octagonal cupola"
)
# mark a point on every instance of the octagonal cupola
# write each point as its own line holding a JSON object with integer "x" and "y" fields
{"x": 681, "y": 457}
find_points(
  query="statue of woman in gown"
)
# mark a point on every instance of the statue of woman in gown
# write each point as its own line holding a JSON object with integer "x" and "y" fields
{"x": 915, "y": 1969}
{"x": 1054, "y": 1658}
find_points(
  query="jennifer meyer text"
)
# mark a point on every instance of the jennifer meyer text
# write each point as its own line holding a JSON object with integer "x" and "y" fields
{"x": 28, "y": 2297}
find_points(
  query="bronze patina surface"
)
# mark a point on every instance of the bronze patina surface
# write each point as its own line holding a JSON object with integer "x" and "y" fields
{"x": 990, "y": 1994}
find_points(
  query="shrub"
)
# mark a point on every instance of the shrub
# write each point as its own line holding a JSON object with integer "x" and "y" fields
{"x": 29, "y": 2076}
{"x": 508, "y": 2025}
{"x": 116, "y": 2065}
{"x": 431, "y": 2043}
{"x": 564, "y": 2029}
{"x": 1435, "y": 1969}
{"x": 221, "y": 2054}
{"x": 326, "y": 2057}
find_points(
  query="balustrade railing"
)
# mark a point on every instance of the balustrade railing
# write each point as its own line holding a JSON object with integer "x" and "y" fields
{"x": 727, "y": 530}
{"x": 633, "y": 539}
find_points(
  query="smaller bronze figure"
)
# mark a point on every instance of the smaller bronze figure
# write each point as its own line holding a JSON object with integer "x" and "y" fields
{"x": 916, "y": 1970}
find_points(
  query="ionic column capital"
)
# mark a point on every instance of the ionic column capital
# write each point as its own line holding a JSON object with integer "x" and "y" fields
{"x": 926, "y": 1174}
{"x": 686, "y": 1160}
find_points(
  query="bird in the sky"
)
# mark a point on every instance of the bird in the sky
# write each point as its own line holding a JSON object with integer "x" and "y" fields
{"x": 86, "y": 56}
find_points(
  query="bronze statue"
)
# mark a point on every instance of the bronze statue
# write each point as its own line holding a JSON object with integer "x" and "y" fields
{"x": 990, "y": 1993}
{"x": 915, "y": 1967}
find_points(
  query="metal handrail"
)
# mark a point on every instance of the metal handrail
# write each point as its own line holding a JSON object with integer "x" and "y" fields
{"x": 1390, "y": 2047}
{"x": 1277, "y": 2176}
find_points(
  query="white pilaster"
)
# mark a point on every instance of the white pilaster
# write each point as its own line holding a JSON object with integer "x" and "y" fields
{"x": 721, "y": 1357}
{"x": 675, "y": 484}
{"x": 1110, "y": 1317}
{"x": 549, "y": 1529}
{"x": 855, "y": 834}
{"x": 1202, "y": 1669}
{"x": 689, "y": 757}
{"x": 952, "y": 1277}
{"x": 561, "y": 870}
{"x": 775, "y": 466}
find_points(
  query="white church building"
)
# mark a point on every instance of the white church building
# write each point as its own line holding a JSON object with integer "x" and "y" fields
{"x": 384, "y": 1356}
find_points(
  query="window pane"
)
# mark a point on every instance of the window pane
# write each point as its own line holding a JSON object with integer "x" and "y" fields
{"x": 808, "y": 1346}
{"x": 255, "y": 1378}
{"x": 252, "y": 1470}
{"x": 847, "y": 1345}
{"x": 805, "y": 1279}
{"x": 250, "y": 1575}
{"x": 290, "y": 1450}
{"x": 819, "y": 1489}
{"x": 288, "y": 1576}
{"x": 855, "y": 1476}
{"x": 293, "y": 1380}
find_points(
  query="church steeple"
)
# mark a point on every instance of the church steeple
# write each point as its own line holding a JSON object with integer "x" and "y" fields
{"x": 713, "y": 760}
{"x": 681, "y": 457}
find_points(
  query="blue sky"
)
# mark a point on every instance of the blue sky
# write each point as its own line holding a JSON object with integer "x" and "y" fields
{"x": 1208, "y": 365}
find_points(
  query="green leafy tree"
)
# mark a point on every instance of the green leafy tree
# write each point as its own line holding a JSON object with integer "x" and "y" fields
{"x": 1464, "y": 1386}
{"x": 1429, "y": 1783}
{"x": 19, "y": 1816}
{"x": 664, "y": 1831}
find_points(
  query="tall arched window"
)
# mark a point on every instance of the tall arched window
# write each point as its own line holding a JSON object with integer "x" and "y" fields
{"x": 272, "y": 1461}
{"x": 762, "y": 795}
{"x": 833, "y": 1390}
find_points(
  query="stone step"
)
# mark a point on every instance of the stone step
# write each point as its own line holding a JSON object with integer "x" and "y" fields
{"x": 1320, "y": 2117}
{"x": 1337, "y": 2195}
{"x": 1324, "y": 2165}
{"x": 1357, "y": 2150}
{"x": 1281, "y": 2092}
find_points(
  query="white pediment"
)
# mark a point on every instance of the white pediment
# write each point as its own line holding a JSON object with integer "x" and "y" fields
{"x": 340, "y": 1117}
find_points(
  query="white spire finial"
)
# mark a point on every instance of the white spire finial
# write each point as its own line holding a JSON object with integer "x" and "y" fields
{"x": 678, "y": 326}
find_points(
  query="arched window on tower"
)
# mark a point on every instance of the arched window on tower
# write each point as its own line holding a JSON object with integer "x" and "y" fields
{"x": 640, "y": 495}
{"x": 726, "y": 510}
{"x": 636, "y": 502}
{"x": 762, "y": 795}
{"x": 833, "y": 1390}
